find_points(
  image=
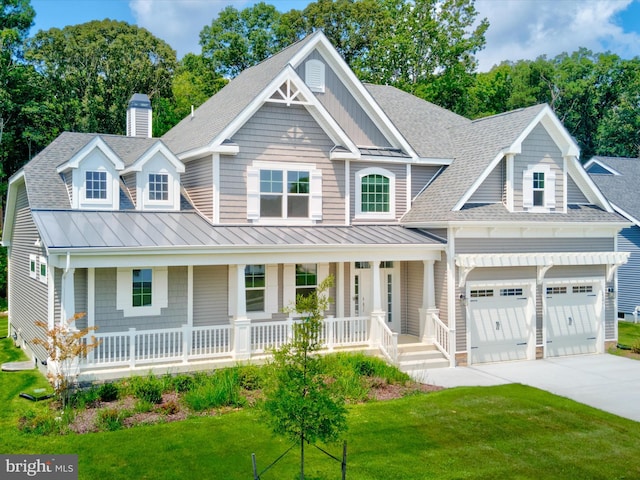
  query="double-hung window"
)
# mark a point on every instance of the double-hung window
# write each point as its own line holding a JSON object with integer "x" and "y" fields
{"x": 96, "y": 185}
{"x": 306, "y": 279}
{"x": 158, "y": 186}
{"x": 539, "y": 188}
{"x": 284, "y": 193}
{"x": 255, "y": 284}
{"x": 142, "y": 287}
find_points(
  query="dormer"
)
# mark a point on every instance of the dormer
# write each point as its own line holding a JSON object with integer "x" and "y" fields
{"x": 154, "y": 179}
{"x": 92, "y": 177}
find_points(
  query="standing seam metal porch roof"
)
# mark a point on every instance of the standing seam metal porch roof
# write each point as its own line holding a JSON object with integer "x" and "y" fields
{"x": 81, "y": 229}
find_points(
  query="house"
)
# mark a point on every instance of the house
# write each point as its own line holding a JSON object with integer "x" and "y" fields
{"x": 481, "y": 240}
{"x": 617, "y": 178}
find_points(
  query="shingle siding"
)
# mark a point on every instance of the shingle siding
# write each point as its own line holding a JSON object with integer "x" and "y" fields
{"x": 108, "y": 319}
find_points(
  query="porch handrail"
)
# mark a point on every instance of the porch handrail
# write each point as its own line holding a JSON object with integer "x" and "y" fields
{"x": 442, "y": 336}
{"x": 388, "y": 340}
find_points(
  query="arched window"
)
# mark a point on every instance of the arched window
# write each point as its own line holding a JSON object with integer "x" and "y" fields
{"x": 375, "y": 193}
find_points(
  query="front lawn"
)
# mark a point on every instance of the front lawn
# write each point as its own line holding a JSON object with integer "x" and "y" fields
{"x": 628, "y": 340}
{"x": 4, "y": 326}
{"x": 508, "y": 431}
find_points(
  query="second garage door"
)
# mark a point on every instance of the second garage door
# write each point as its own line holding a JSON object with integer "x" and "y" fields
{"x": 501, "y": 323}
{"x": 573, "y": 316}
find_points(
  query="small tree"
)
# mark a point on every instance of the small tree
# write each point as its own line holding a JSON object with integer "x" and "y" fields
{"x": 300, "y": 402}
{"x": 65, "y": 346}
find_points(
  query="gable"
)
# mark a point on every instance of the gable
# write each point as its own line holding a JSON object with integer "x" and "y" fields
{"x": 492, "y": 189}
{"x": 598, "y": 169}
{"x": 342, "y": 105}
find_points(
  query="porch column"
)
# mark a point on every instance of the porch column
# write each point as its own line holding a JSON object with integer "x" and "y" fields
{"x": 68, "y": 298}
{"x": 340, "y": 289}
{"x": 428, "y": 302}
{"x": 241, "y": 324}
{"x": 376, "y": 304}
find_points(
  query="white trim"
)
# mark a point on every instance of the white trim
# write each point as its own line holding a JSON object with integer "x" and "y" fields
{"x": 360, "y": 174}
{"x": 586, "y": 184}
{"x": 479, "y": 181}
{"x": 33, "y": 260}
{"x": 347, "y": 192}
{"x": 549, "y": 190}
{"x": 473, "y": 260}
{"x": 595, "y": 160}
{"x": 159, "y": 292}
{"x": 91, "y": 297}
{"x": 150, "y": 153}
{"x": 408, "y": 189}
{"x": 96, "y": 143}
{"x": 626, "y": 215}
{"x": 215, "y": 172}
{"x": 555, "y": 129}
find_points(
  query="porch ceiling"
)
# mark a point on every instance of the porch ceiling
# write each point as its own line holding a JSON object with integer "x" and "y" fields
{"x": 104, "y": 230}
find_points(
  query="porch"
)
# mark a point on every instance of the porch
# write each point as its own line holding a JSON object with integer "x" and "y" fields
{"x": 192, "y": 348}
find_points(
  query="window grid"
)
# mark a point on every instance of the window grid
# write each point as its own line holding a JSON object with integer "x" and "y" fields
{"x": 583, "y": 289}
{"x": 96, "y": 185}
{"x": 306, "y": 279}
{"x": 375, "y": 193}
{"x": 556, "y": 290}
{"x": 255, "y": 283}
{"x": 480, "y": 293}
{"x": 538, "y": 189}
{"x": 142, "y": 287}
{"x": 510, "y": 292}
{"x": 275, "y": 202}
{"x": 158, "y": 186}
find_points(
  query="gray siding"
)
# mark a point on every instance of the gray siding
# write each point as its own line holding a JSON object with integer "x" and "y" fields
{"x": 412, "y": 292}
{"x": 538, "y": 148}
{"x": 197, "y": 180}
{"x": 574, "y": 194}
{"x": 210, "y": 295}
{"x": 28, "y": 296}
{"x": 421, "y": 175}
{"x": 345, "y": 109}
{"x": 492, "y": 189}
{"x": 629, "y": 274}
{"x": 81, "y": 295}
{"x": 400, "y": 172}
{"x": 347, "y": 297}
{"x": 279, "y": 133}
{"x": 532, "y": 245}
{"x": 108, "y": 319}
{"x": 440, "y": 279}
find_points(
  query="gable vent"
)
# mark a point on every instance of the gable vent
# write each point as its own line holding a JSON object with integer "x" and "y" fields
{"x": 314, "y": 75}
{"x": 139, "y": 116}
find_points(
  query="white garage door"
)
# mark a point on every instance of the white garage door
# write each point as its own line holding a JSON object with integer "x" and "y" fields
{"x": 500, "y": 323}
{"x": 572, "y": 318}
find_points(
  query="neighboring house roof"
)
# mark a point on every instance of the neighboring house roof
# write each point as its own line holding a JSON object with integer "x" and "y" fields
{"x": 80, "y": 229}
{"x": 620, "y": 185}
{"x": 46, "y": 188}
{"x": 427, "y": 127}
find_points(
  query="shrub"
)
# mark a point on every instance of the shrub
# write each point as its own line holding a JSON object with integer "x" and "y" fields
{"x": 148, "y": 389}
{"x": 169, "y": 408}
{"x": 635, "y": 348}
{"x": 110, "y": 419}
{"x": 39, "y": 423}
{"x": 108, "y": 392}
{"x": 182, "y": 383}
{"x": 83, "y": 398}
{"x": 222, "y": 390}
{"x": 249, "y": 377}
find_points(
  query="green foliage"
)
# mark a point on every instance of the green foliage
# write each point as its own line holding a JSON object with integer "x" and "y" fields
{"x": 110, "y": 419}
{"x": 148, "y": 388}
{"x": 108, "y": 392}
{"x": 182, "y": 383}
{"x": 250, "y": 377}
{"x": 220, "y": 390}
{"x": 39, "y": 423}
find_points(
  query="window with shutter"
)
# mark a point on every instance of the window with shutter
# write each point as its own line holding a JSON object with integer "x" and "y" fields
{"x": 538, "y": 188}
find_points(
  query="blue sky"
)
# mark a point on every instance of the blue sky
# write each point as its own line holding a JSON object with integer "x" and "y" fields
{"x": 520, "y": 29}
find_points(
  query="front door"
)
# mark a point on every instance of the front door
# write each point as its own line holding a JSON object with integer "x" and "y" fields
{"x": 389, "y": 291}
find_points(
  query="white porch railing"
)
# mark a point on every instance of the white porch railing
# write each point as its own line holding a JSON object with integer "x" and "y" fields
{"x": 386, "y": 339}
{"x": 442, "y": 336}
{"x": 141, "y": 347}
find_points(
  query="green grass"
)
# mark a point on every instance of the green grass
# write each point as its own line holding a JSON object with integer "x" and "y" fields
{"x": 628, "y": 333}
{"x": 4, "y": 326}
{"x": 511, "y": 431}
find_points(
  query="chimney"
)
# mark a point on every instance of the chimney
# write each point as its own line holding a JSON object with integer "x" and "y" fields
{"x": 139, "y": 116}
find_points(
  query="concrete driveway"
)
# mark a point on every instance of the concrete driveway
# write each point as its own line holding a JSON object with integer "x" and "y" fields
{"x": 603, "y": 381}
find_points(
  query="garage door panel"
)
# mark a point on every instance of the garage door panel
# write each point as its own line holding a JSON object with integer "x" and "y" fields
{"x": 499, "y": 325}
{"x": 573, "y": 316}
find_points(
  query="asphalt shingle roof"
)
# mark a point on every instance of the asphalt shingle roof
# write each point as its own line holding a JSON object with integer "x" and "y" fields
{"x": 621, "y": 190}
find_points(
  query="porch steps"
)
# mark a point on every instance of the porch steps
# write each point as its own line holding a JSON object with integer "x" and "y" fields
{"x": 420, "y": 356}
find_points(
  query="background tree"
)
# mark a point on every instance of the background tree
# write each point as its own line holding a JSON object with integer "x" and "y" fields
{"x": 91, "y": 70}
{"x": 299, "y": 401}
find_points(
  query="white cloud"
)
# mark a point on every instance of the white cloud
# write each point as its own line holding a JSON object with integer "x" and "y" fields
{"x": 178, "y": 22}
{"x": 526, "y": 29}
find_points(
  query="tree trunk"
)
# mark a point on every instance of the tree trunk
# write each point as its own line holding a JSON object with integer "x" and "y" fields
{"x": 302, "y": 456}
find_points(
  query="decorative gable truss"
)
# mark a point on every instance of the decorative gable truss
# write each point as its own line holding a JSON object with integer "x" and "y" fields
{"x": 538, "y": 187}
